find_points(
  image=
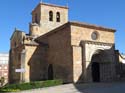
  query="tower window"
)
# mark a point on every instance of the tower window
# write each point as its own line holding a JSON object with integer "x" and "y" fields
{"x": 36, "y": 21}
{"x": 50, "y": 16}
{"x": 15, "y": 44}
{"x": 58, "y": 17}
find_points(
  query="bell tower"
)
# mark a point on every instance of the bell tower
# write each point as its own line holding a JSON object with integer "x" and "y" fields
{"x": 46, "y": 17}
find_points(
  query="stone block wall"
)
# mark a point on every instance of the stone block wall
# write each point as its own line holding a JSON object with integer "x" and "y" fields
{"x": 37, "y": 63}
{"x": 42, "y": 12}
{"x": 77, "y": 64}
{"x": 60, "y": 54}
{"x": 82, "y": 54}
{"x": 79, "y": 33}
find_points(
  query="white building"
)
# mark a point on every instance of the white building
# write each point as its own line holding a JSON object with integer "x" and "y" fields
{"x": 4, "y": 60}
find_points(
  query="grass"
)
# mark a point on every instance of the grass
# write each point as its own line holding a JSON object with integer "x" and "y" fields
{"x": 30, "y": 85}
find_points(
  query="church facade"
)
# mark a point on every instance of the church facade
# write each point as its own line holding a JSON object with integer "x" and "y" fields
{"x": 58, "y": 49}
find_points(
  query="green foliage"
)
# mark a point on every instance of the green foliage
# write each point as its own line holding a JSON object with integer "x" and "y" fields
{"x": 30, "y": 85}
{"x": 2, "y": 81}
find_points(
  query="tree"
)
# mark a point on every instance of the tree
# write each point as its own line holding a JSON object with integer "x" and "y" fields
{"x": 2, "y": 81}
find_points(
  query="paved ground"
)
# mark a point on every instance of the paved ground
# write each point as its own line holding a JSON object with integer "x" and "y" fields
{"x": 82, "y": 88}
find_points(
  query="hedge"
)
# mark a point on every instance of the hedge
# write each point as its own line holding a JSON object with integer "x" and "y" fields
{"x": 30, "y": 85}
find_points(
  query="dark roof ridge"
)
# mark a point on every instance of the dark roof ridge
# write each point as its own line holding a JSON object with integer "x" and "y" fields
{"x": 54, "y": 5}
{"x": 91, "y": 26}
{"x": 77, "y": 24}
{"x": 48, "y": 4}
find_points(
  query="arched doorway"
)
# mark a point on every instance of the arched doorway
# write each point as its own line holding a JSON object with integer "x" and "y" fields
{"x": 95, "y": 72}
{"x": 50, "y": 72}
{"x": 95, "y": 66}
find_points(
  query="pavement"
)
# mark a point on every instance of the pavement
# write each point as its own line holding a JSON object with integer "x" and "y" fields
{"x": 118, "y": 87}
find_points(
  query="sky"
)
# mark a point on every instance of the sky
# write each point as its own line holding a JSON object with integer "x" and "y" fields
{"x": 107, "y": 13}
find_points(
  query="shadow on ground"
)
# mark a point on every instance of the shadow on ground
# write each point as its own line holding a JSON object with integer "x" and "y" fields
{"x": 118, "y": 87}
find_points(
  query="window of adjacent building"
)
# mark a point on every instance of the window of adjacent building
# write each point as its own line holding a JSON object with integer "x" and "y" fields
{"x": 5, "y": 67}
{"x": 58, "y": 17}
{"x": 5, "y": 74}
{"x": 50, "y": 16}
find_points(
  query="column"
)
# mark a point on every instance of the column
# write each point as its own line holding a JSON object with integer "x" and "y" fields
{"x": 77, "y": 64}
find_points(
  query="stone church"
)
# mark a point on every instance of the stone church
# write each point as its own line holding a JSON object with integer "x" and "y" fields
{"x": 55, "y": 48}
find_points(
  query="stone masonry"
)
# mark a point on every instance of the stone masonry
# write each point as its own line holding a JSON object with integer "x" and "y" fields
{"x": 58, "y": 49}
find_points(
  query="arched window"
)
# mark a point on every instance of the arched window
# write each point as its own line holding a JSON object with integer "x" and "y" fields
{"x": 50, "y": 72}
{"x": 58, "y": 17}
{"x": 14, "y": 44}
{"x": 50, "y": 16}
{"x": 36, "y": 21}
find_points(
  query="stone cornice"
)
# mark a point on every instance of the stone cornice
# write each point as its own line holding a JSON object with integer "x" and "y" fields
{"x": 22, "y": 45}
{"x": 92, "y": 26}
{"x": 52, "y": 5}
{"x": 27, "y": 44}
{"x": 96, "y": 43}
{"x": 42, "y": 44}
